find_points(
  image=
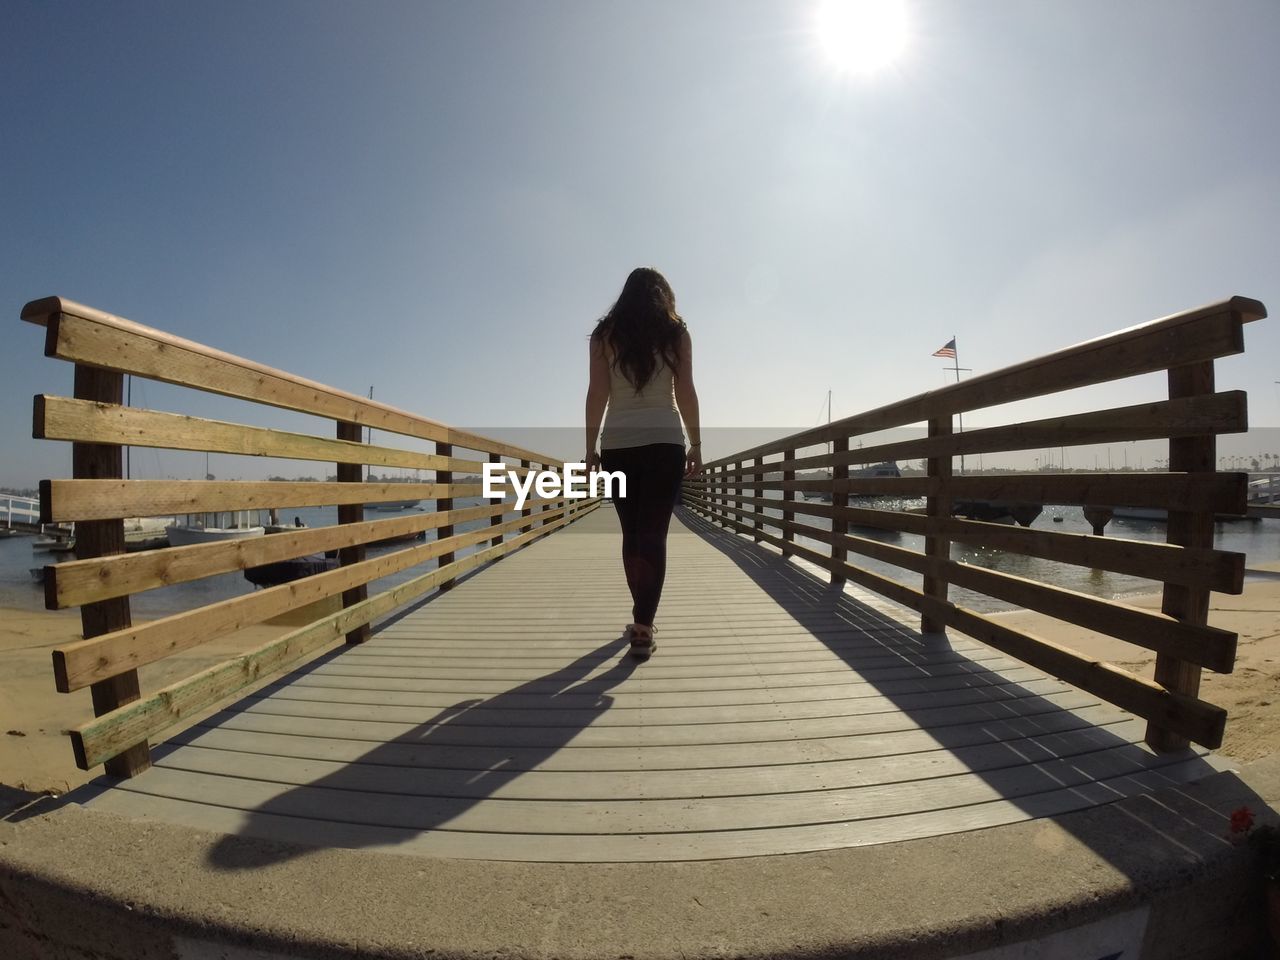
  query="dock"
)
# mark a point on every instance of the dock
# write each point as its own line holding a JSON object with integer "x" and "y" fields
{"x": 505, "y": 721}
{"x": 819, "y": 761}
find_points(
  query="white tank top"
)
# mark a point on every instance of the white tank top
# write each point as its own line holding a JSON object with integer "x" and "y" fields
{"x": 637, "y": 419}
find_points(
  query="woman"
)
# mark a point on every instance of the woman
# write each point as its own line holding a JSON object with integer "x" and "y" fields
{"x": 642, "y": 370}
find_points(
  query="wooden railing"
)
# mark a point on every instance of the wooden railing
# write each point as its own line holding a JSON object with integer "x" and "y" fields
{"x": 105, "y": 348}
{"x": 732, "y": 492}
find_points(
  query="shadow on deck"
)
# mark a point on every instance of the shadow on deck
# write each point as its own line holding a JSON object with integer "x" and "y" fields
{"x": 503, "y": 721}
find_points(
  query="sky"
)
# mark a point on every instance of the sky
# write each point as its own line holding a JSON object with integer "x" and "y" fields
{"x": 437, "y": 200}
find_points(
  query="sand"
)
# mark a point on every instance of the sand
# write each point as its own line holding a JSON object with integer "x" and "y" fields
{"x": 1250, "y": 694}
{"x": 35, "y": 755}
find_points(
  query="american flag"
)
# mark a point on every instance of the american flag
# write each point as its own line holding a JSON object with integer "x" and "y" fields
{"x": 948, "y": 350}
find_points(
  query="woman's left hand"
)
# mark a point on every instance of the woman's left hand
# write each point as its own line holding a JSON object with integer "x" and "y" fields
{"x": 693, "y": 462}
{"x": 593, "y": 461}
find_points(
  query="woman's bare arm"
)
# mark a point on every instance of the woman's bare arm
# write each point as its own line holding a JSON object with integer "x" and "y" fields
{"x": 597, "y": 399}
{"x": 687, "y": 401}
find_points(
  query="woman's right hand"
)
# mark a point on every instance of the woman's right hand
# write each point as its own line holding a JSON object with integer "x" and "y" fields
{"x": 693, "y": 461}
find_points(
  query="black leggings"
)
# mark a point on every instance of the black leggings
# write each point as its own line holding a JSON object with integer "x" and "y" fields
{"x": 653, "y": 475}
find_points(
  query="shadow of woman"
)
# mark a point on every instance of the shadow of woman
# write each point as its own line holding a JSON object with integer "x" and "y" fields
{"x": 425, "y": 778}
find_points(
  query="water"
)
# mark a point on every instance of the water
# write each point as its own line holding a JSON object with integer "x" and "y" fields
{"x": 1258, "y": 540}
{"x": 19, "y": 589}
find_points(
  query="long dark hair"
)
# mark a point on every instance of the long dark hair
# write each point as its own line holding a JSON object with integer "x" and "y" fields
{"x": 642, "y": 326}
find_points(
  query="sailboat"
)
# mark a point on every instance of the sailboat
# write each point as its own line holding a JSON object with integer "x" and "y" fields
{"x": 217, "y": 525}
{"x": 387, "y": 506}
{"x": 886, "y": 468}
{"x": 140, "y": 533}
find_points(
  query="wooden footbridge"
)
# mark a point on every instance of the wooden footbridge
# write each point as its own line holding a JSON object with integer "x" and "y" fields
{"x": 798, "y": 701}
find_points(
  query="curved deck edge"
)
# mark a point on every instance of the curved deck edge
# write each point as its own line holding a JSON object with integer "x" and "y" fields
{"x": 77, "y": 884}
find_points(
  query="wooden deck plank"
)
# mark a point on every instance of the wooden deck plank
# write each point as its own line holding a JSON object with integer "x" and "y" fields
{"x": 1084, "y": 746}
{"x": 424, "y": 694}
{"x": 503, "y": 720}
{"x": 413, "y": 805}
{"x": 249, "y": 733}
{"x": 498, "y": 712}
{"x": 613, "y": 847}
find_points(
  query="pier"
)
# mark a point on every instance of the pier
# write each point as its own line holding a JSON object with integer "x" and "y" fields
{"x": 811, "y": 738}
{"x": 19, "y": 514}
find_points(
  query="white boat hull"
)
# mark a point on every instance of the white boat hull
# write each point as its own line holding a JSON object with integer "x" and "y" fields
{"x": 180, "y": 536}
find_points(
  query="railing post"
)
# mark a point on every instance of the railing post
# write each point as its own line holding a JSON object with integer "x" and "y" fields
{"x": 101, "y": 538}
{"x": 788, "y": 496}
{"x": 715, "y": 502}
{"x": 497, "y": 518}
{"x": 756, "y": 523}
{"x": 937, "y": 546}
{"x": 444, "y": 503}
{"x": 527, "y": 511}
{"x": 1187, "y": 528}
{"x": 839, "y": 525}
{"x": 352, "y": 513}
{"x": 739, "y": 489}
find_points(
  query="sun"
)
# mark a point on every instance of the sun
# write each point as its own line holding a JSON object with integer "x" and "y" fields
{"x": 861, "y": 36}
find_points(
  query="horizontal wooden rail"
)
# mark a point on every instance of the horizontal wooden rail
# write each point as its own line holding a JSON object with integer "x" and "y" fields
{"x": 85, "y": 581}
{"x": 1225, "y": 493}
{"x": 64, "y": 418}
{"x": 1184, "y": 417}
{"x": 68, "y": 500}
{"x": 106, "y": 736}
{"x": 79, "y": 664}
{"x": 98, "y": 424}
{"x": 767, "y": 491}
{"x": 1196, "y": 719}
{"x": 1219, "y": 570}
{"x": 1206, "y": 333}
{"x": 91, "y": 337}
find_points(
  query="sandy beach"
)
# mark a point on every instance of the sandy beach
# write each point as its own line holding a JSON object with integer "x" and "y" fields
{"x": 35, "y": 755}
{"x": 1250, "y": 694}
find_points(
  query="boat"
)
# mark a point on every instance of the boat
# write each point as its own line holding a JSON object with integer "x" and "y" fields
{"x": 388, "y": 506}
{"x": 286, "y": 571}
{"x": 140, "y": 533}
{"x": 53, "y": 539}
{"x": 146, "y": 533}
{"x": 1140, "y": 513}
{"x": 211, "y": 527}
{"x": 1264, "y": 492}
{"x": 886, "y": 469}
{"x": 997, "y": 511}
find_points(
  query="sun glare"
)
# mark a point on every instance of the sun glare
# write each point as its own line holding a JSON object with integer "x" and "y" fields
{"x": 861, "y": 36}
